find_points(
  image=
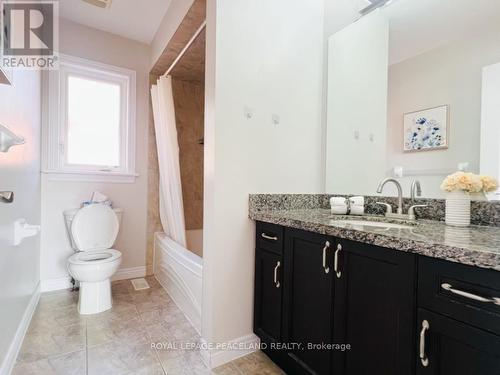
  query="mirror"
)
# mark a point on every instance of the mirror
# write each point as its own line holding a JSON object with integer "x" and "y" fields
{"x": 414, "y": 93}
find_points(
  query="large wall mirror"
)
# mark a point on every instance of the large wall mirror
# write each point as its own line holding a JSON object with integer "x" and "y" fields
{"x": 414, "y": 93}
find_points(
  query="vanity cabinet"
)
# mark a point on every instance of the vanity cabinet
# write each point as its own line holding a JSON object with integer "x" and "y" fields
{"x": 458, "y": 319}
{"x": 375, "y": 310}
{"x": 334, "y": 292}
{"x": 451, "y": 347}
{"x": 308, "y": 301}
{"x": 400, "y": 313}
{"x": 268, "y": 283}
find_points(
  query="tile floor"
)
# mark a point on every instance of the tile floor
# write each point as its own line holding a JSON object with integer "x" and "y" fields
{"x": 118, "y": 341}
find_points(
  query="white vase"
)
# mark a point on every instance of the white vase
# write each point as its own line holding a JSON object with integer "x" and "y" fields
{"x": 458, "y": 209}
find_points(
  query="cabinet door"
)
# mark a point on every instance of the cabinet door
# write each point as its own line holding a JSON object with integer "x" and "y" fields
{"x": 268, "y": 296}
{"x": 308, "y": 300}
{"x": 451, "y": 347}
{"x": 375, "y": 310}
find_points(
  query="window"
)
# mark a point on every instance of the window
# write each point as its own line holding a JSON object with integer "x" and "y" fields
{"x": 90, "y": 126}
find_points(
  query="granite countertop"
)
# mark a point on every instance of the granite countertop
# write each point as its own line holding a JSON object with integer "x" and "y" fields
{"x": 476, "y": 245}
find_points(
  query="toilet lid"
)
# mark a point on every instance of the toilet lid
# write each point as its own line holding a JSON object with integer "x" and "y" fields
{"x": 94, "y": 227}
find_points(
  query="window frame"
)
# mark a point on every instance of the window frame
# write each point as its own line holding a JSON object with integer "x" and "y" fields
{"x": 55, "y": 125}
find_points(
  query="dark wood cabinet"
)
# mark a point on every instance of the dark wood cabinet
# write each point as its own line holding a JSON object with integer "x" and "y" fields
{"x": 375, "y": 309}
{"x": 333, "y": 306}
{"x": 308, "y": 300}
{"x": 268, "y": 283}
{"x": 450, "y": 347}
{"x": 268, "y": 294}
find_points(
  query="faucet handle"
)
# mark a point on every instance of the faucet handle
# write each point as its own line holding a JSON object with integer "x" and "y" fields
{"x": 388, "y": 207}
{"x": 411, "y": 210}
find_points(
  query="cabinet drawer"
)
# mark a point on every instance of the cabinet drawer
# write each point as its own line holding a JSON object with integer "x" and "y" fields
{"x": 468, "y": 294}
{"x": 448, "y": 347}
{"x": 270, "y": 237}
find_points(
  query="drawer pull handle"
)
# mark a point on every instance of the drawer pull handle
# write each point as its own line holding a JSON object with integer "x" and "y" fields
{"x": 267, "y": 237}
{"x": 325, "y": 267}
{"x": 423, "y": 357}
{"x": 475, "y": 297}
{"x": 276, "y": 281}
{"x": 336, "y": 261}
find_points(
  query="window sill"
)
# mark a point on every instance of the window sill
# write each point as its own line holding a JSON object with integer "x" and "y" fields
{"x": 83, "y": 176}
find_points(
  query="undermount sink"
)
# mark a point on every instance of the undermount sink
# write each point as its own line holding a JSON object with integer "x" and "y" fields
{"x": 373, "y": 224}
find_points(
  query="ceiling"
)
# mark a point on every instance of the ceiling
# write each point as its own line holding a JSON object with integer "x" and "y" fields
{"x": 417, "y": 26}
{"x": 132, "y": 19}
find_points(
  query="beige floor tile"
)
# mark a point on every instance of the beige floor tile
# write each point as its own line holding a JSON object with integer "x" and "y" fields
{"x": 188, "y": 363}
{"x": 150, "y": 301}
{"x": 115, "y": 330}
{"x": 49, "y": 316}
{"x": 228, "y": 369}
{"x": 40, "y": 345}
{"x": 123, "y": 357}
{"x": 67, "y": 364}
{"x": 119, "y": 341}
{"x": 257, "y": 364}
{"x": 58, "y": 299}
{"x": 169, "y": 314}
{"x": 118, "y": 313}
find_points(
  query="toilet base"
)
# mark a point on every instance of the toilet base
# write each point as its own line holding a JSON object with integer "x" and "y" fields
{"x": 94, "y": 297}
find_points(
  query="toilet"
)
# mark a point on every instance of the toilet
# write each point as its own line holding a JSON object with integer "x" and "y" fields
{"x": 92, "y": 231}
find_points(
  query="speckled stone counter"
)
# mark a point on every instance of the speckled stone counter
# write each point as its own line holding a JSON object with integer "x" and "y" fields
{"x": 476, "y": 245}
{"x": 482, "y": 212}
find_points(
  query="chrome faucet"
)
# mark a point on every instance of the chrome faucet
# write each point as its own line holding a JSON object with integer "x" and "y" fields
{"x": 400, "y": 192}
{"x": 416, "y": 189}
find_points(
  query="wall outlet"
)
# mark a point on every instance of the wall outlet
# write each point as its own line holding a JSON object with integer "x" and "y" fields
{"x": 398, "y": 171}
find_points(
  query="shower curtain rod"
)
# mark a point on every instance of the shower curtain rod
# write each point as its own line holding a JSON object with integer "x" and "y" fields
{"x": 184, "y": 50}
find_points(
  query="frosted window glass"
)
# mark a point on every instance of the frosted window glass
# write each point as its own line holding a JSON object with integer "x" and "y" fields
{"x": 93, "y": 131}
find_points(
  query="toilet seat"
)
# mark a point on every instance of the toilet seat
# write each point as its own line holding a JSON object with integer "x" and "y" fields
{"x": 94, "y": 257}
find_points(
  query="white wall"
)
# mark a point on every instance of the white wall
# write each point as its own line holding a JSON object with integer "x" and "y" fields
{"x": 267, "y": 56}
{"x": 451, "y": 74}
{"x": 81, "y": 41}
{"x": 19, "y": 172}
{"x": 490, "y": 125}
{"x": 357, "y": 101}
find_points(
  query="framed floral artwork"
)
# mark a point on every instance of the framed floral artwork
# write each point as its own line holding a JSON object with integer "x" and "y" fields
{"x": 426, "y": 130}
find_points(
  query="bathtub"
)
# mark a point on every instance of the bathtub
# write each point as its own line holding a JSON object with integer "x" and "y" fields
{"x": 179, "y": 271}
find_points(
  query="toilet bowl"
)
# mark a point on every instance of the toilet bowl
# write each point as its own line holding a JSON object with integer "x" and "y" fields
{"x": 92, "y": 231}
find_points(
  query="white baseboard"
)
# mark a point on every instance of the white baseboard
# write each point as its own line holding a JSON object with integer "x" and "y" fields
{"x": 10, "y": 359}
{"x": 61, "y": 283}
{"x": 215, "y": 358}
{"x": 129, "y": 273}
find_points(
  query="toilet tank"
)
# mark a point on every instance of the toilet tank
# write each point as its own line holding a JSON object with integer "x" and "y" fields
{"x": 68, "y": 219}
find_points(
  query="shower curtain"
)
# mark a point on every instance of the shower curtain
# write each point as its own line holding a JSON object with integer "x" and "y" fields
{"x": 171, "y": 205}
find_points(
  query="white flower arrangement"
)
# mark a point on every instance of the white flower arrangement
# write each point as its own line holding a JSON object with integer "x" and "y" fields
{"x": 469, "y": 183}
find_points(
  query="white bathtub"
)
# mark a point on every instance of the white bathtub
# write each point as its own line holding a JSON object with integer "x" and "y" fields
{"x": 179, "y": 271}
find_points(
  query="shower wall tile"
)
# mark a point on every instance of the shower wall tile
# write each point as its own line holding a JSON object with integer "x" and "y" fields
{"x": 189, "y": 101}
